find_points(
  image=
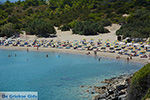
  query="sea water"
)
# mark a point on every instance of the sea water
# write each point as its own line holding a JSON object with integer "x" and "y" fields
{"x": 58, "y": 76}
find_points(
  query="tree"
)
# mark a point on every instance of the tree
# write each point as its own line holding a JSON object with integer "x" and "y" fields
{"x": 8, "y": 30}
{"x": 65, "y": 28}
{"x": 40, "y": 28}
{"x": 89, "y": 28}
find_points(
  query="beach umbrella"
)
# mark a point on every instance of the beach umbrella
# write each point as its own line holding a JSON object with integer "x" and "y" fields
{"x": 136, "y": 44}
{"x": 148, "y": 46}
{"x": 111, "y": 48}
{"x": 103, "y": 47}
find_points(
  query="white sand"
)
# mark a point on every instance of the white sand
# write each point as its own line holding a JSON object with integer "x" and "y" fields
{"x": 67, "y": 35}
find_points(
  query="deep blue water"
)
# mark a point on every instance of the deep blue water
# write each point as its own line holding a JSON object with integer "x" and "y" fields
{"x": 59, "y": 76}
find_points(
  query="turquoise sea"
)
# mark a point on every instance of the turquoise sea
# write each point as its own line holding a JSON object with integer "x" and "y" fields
{"x": 59, "y": 76}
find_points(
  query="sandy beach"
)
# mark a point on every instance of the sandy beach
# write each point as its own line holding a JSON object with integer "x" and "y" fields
{"x": 67, "y": 35}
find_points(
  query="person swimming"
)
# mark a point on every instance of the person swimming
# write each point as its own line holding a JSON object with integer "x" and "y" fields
{"x": 99, "y": 59}
{"x": 15, "y": 55}
{"x": 9, "y": 55}
{"x": 47, "y": 55}
{"x": 58, "y": 56}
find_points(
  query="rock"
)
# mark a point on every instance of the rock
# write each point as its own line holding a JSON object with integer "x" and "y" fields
{"x": 122, "y": 97}
{"x": 116, "y": 88}
{"x": 122, "y": 92}
{"x": 120, "y": 87}
{"x": 115, "y": 98}
{"x": 96, "y": 97}
{"x": 87, "y": 90}
{"x": 110, "y": 92}
{"x": 103, "y": 87}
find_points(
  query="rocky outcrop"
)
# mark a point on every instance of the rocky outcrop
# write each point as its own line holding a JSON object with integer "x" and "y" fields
{"x": 115, "y": 89}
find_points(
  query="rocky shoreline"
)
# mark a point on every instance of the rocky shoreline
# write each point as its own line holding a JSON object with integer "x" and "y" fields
{"x": 114, "y": 89}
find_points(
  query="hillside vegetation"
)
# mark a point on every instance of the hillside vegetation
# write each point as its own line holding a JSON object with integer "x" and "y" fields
{"x": 77, "y": 13}
{"x": 140, "y": 84}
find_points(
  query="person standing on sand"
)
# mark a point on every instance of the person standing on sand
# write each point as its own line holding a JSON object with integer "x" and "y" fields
{"x": 95, "y": 53}
{"x": 130, "y": 56}
{"x": 88, "y": 53}
{"x": 37, "y": 48}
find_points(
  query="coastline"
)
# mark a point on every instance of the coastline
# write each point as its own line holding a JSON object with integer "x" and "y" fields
{"x": 80, "y": 52}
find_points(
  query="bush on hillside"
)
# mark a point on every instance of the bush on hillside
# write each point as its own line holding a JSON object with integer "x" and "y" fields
{"x": 8, "y": 30}
{"x": 137, "y": 26}
{"x": 105, "y": 22}
{"x": 88, "y": 28}
{"x": 40, "y": 28}
{"x": 147, "y": 95}
{"x": 65, "y": 28}
{"x": 140, "y": 83}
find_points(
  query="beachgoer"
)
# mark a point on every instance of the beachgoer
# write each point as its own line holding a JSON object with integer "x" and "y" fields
{"x": 99, "y": 59}
{"x": 127, "y": 58}
{"x": 15, "y": 55}
{"x": 95, "y": 53}
{"x": 130, "y": 57}
{"x": 27, "y": 50}
{"x": 37, "y": 48}
{"x": 9, "y": 55}
{"x": 47, "y": 55}
{"x": 118, "y": 57}
{"x": 88, "y": 53}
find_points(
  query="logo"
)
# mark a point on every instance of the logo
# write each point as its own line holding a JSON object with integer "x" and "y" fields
{"x": 18, "y": 96}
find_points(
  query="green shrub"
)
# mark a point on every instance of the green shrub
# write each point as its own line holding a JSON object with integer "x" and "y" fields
{"x": 73, "y": 23}
{"x": 8, "y": 30}
{"x": 101, "y": 29}
{"x": 147, "y": 95}
{"x": 88, "y": 28}
{"x": 137, "y": 26}
{"x": 40, "y": 28}
{"x": 140, "y": 83}
{"x": 105, "y": 22}
{"x": 65, "y": 28}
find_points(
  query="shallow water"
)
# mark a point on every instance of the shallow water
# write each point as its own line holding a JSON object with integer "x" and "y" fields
{"x": 59, "y": 76}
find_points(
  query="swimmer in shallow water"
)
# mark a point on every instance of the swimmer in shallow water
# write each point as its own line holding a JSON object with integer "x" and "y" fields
{"x": 58, "y": 56}
{"x": 99, "y": 59}
{"x": 27, "y": 50}
{"x": 15, "y": 55}
{"x": 127, "y": 58}
{"x": 9, "y": 55}
{"x": 47, "y": 55}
